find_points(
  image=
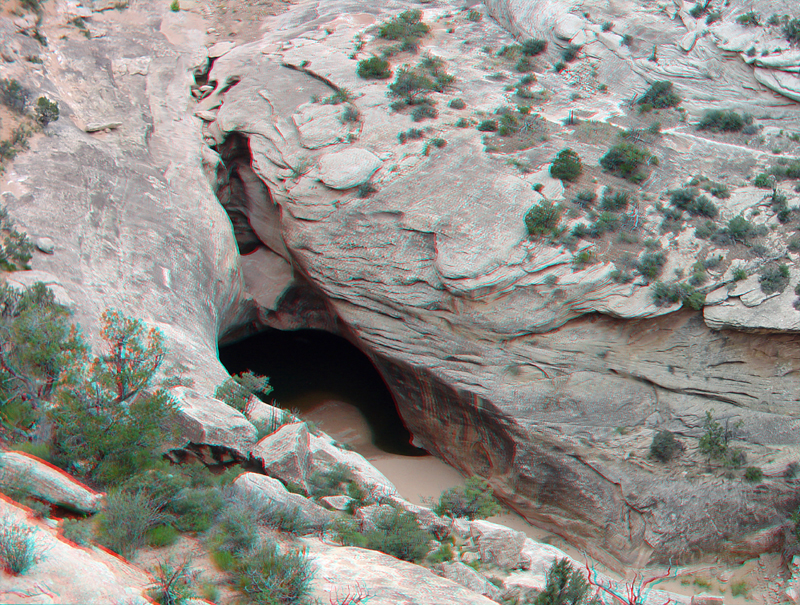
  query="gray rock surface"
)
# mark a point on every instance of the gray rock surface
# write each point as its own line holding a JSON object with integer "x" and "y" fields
{"x": 498, "y": 544}
{"x": 470, "y": 579}
{"x": 348, "y": 168}
{"x": 29, "y": 475}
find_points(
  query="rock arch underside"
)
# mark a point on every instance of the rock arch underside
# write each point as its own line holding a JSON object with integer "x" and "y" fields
{"x": 507, "y": 358}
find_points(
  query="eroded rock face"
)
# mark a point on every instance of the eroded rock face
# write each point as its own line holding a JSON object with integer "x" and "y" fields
{"x": 506, "y": 359}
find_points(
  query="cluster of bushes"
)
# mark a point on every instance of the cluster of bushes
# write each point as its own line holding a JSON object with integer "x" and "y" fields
{"x": 412, "y": 134}
{"x": 723, "y": 120}
{"x": 664, "y": 446}
{"x": 523, "y": 53}
{"x": 407, "y": 28}
{"x": 13, "y": 95}
{"x": 738, "y": 230}
{"x": 660, "y": 95}
{"x": 690, "y": 200}
{"x": 651, "y": 264}
{"x": 792, "y": 31}
{"x": 715, "y": 443}
{"x": 669, "y": 294}
{"x": 749, "y": 19}
{"x": 773, "y": 278}
{"x": 627, "y": 161}
{"x": 413, "y": 85}
{"x": 475, "y": 500}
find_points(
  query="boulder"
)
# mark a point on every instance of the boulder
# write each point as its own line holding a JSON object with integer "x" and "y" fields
{"x": 498, "y": 544}
{"x": 380, "y": 577}
{"x": 320, "y": 125}
{"x": 340, "y": 503}
{"x": 208, "y": 421}
{"x": 348, "y": 168}
{"x": 469, "y": 578}
{"x": 285, "y": 454}
{"x": 35, "y": 477}
{"x": 269, "y": 495}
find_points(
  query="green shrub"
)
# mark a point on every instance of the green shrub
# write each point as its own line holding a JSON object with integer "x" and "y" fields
{"x": 664, "y": 446}
{"x": 406, "y": 28}
{"x": 18, "y": 550}
{"x": 570, "y": 53}
{"x": 161, "y": 536}
{"x": 774, "y": 278}
{"x": 669, "y": 294}
{"x": 542, "y": 218}
{"x": 605, "y": 223}
{"x": 423, "y": 112}
{"x": 475, "y": 500}
{"x": 739, "y": 229}
{"x": 235, "y": 531}
{"x": 607, "y": 26}
{"x": 650, "y": 264}
{"x": 749, "y": 19}
{"x": 366, "y": 189}
{"x": 270, "y": 577}
{"x": 560, "y": 66}
{"x": 46, "y": 111}
{"x": 463, "y": 123}
{"x": 13, "y": 95}
{"x": 374, "y": 68}
{"x": 625, "y": 160}
{"x": 792, "y": 31}
{"x": 195, "y": 508}
{"x": 689, "y": 200}
{"x": 721, "y": 121}
{"x": 172, "y": 585}
{"x": 457, "y": 104}
{"x": 566, "y": 166}
{"x": 533, "y": 47}
{"x": 753, "y": 474}
{"x": 488, "y": 126}
{"x": 223, "y": 559}
{"x": 126, "y": 520}
{"x": 714, "y": 443}
{"x": 175, "y": 6}
{"x": 413, "y": 134}
{"x": 565, "y": 586}
{"x": 705, "y": 230}
{"x": 584, "y": 199}
{"x": 397, "y": 533}
{"x": 739, "y": 274}
{"x": 474, "y": 16}
{"x": 615, "y": 202}
{"x": 660, "y": 95}
{"x": 442, "y": 555}
{"x": 237, "y": 390}
{"x": 77, "y": 530}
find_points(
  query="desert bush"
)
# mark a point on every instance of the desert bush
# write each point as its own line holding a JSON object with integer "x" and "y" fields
{"x": 271, "y": 577}
{"x": 15, "y": 247}
{"x": 705, "y": 230}
{"x": 13, "y": 95}
{"x": 689, "y": 199}
{"x": 625, "y": 160}
{"x": 475, "y": 500}
{"x": 366, "y": 189}
{"x": 474, "y": 16}
{"x": 570, "y": 53}
{"x": 753, "y": 474}
{"x": 738, "y": 229}
{"x": 237, "y": 390}
{"x": 664, "y": 446}
{"x": 46, "y": 111}
{"x": 715, "y": 441}
{"x": 374, "y": 68}
{"x": 721, "y": 121}
{"x": 669, "y": 294}
{"x": 172, "y": 584}
{"x": 607, "y": 26}
{"x": 397, "y": 533}
{"x": 18, "y": 550}
{"x": 606, "y": 222}
{"x": 406, "y": 28}
{"x": 457, "y": 104}
{"x": 615, "y": 202}
{"x": 77, "y": 530}
{"x": 413, "y": 134}
{"x": 749, "y": 19}
{"x": 559, "y": 67}
{"x": 763, "y": 181}
{"x": 660, "y": 95}
{"x": 773, "y": 278}
{"x": 126, "y": 519}
{"x": 423, "y": 112}
{"x": 650, "y": 264}
{"x": 542, "y": 218}
{"x": 533, "y": 47}
{"x": 565, "y": 586}
{"x": 584, "y": 199}
{"x": 792, "y": 31}
{"x": 161, "y": 536}
{"x": 566, "y": 166}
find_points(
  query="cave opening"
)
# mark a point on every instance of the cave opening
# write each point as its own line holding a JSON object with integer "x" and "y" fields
{"x": 312, "y": 368}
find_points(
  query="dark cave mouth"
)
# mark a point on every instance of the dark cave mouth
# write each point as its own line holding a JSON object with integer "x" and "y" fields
{"x": 309, "y": 367}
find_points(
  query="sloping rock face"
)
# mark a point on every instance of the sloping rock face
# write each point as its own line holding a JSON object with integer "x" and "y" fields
{"x": 506, "y": 359}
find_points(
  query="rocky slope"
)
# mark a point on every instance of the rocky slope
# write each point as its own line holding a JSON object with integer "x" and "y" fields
{"x": 509, "y": 357}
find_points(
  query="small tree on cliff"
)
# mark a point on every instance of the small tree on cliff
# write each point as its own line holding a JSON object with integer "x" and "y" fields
{"x": 112, "y": 413}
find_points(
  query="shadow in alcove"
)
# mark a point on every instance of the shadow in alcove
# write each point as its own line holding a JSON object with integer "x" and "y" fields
{"x": 309, "y": 367}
